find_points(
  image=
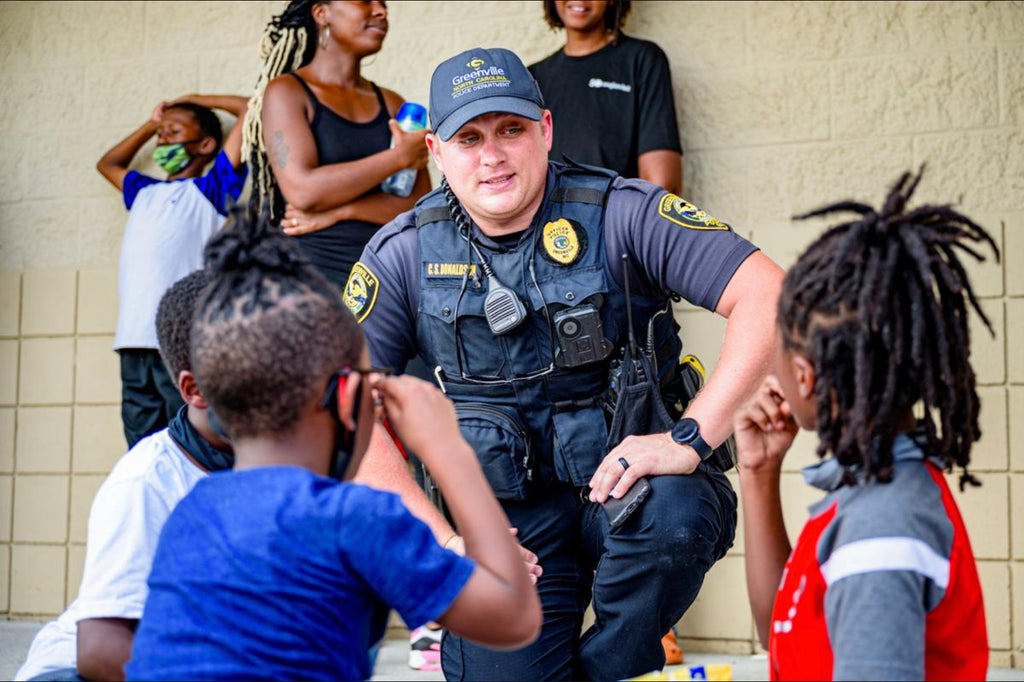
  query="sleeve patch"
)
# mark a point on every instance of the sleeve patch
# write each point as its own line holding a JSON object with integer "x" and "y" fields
{"x": 361, "y": 291}
{"x": 685, "y": 214}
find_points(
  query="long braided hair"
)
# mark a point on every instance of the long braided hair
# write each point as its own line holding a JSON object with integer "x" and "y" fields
{"x": 880, "y": 306}
{"x": 289, "y": 42}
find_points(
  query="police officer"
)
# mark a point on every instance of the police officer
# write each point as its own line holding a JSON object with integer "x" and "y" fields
{"x": 509, "y": 280}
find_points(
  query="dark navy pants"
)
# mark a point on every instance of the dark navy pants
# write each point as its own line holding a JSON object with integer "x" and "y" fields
{"x": 642, "y": 577}
{"x": 149, "y": 396}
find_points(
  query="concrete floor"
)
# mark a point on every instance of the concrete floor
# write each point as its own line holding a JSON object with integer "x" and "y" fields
{"x": 392, "y": 663}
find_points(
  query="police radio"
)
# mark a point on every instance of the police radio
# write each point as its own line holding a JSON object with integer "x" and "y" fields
{"x": 502, "y": 308}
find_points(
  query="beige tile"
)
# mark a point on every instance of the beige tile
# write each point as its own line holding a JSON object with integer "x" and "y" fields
{"x": 5, "y": 577}
{"x": 10, "y": 302}
{"x": 797, "y": 496}
{"x": 44, "y": 440}
{"x": 97, "y": 301}
{"x": 47, "y": 371}
{"x": 6, "y": 507}
{"x": 83, "y": 490}
{"x": 1015, "y": 339}
{"x": 76, "y": 563}
{"x": 1017, "y": 517}
{"x": 1017, "y": 601}
{"x": 1016, "y": 419}
{"x": 99, "y": 438}
{"x": 98, "y": 371}
{"x": 702, "y": 334}
{"x": 988, "y": 353}
{"x": 995, "y": 589}
{"x": 1000, "y": 659}
{"x": 6, "y": 440}
{"x": 803, "y": 453}
{"x": 48, "y": 302}
{"x": 991, "y": 453}
{"x": 1013, "y": 256}
{"x": 8, "y": 372}
{"x": 986, "y": 512}
{"x": 37, "y": 579}
{"x": 724, "y": 592}
{"x": 41, "y": 509}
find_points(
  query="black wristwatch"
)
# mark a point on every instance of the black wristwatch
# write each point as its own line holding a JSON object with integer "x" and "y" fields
{"x": 687, "y": 432}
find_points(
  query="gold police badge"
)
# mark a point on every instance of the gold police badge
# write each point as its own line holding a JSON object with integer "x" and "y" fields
{"x": 685, "y": 214}
{"x": 564, "y": 241}
{"x": 361, "y": 291}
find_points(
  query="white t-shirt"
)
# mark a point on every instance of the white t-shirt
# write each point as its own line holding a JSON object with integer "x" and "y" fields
{"x": 168, "y": 226}
{"x": 124, "y": 526}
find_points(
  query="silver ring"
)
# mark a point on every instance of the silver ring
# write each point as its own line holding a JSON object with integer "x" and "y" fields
{"x": 624, "y": 463}
{"x": 295, "y": 222}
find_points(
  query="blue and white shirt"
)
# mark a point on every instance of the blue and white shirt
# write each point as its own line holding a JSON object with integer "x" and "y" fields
{"x": 168, "y": 225}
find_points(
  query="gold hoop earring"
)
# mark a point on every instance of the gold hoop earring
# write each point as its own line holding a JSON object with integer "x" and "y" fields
{"x": 325, "y": 36}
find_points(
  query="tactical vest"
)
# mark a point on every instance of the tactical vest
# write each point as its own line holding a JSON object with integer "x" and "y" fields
{"x": 530, "y": 422}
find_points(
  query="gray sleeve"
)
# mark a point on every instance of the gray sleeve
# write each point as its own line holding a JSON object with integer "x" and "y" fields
{"x": 876, "y": 624}
{"x": 670, "y": 244}
{"x": 379, "y": 295}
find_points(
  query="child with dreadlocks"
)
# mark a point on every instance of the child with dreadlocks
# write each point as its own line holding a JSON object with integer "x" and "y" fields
{"x": 282, "y": 569}
{"x": 873, "y": 329}
{"x": 319, "y": 135}
{"x": 169, "y": 221}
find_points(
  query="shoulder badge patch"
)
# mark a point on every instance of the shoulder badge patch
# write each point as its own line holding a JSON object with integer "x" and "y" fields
{"x": 685, "y": 214}
{"x": 565, "y": 241}
{"x": 361, "y": 291}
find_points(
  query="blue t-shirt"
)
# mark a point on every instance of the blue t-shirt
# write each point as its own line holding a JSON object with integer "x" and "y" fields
{"x": 277, "y": 573}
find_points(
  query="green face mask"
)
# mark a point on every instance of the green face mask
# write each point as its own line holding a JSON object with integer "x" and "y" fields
{"x": 173, "y": 157}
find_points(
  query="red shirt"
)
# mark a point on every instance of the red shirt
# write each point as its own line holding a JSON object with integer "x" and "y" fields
{"x": 882, "y": 584}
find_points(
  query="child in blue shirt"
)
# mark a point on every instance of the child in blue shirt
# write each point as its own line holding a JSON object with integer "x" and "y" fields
{"x": 282, "y": 569}
{"x": 168, "y": 224}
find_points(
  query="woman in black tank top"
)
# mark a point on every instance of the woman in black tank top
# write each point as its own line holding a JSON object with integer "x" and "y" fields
{"x": 326, "y": 133}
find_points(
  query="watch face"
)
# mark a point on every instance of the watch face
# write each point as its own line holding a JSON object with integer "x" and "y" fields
{"x": 685, "y": 430}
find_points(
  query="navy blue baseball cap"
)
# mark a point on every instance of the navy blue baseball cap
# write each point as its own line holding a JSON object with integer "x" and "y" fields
{"x": 481, "y": 81}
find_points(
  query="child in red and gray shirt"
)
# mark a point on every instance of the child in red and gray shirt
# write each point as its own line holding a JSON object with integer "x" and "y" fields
{"x": 882, "y": 583}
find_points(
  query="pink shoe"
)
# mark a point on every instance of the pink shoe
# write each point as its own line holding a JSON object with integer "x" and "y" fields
{"x": 425, "y": 649}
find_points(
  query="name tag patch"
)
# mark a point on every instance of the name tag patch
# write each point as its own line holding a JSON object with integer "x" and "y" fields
{"x": 361, "y": 291}
{"x": 685, "y": 214}
{"x": 440, "y": 270}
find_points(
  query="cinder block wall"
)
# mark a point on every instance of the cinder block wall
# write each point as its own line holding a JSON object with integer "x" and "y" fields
{"x": 783, "y": 106}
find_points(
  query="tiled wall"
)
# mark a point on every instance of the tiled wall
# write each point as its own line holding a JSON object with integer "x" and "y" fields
{"x": 60, "y": 427}
{"x": 783, "y": 106}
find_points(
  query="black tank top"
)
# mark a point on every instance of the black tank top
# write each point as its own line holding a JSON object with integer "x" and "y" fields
{"x": 335, "y": 249}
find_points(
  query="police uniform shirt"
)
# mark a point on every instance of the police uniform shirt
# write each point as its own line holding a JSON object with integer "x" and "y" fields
{"x": 671, "y": 246}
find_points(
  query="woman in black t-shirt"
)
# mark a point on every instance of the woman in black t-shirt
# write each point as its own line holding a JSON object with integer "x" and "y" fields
{"x": 320, "y": 134}
{"x": 610, "y": 95}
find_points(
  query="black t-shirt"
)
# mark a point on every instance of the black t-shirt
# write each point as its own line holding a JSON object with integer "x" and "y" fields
{"x": 611, "y": 106}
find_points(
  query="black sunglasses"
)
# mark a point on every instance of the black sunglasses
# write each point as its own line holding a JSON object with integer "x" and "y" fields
{"x": 330, "y": 399}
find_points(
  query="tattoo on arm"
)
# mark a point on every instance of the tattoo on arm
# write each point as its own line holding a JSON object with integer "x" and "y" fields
{"x": 278, "y": 150}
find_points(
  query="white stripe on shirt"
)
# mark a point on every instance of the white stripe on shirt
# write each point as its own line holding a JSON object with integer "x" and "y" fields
{"x": 886, "y": 554}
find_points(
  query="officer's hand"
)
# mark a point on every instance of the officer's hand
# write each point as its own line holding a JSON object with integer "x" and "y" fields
{"x": 654, "y": 455}
{"x": 458, "y": 545}
{"x": 423, "y": 418}
{"x": 765, "y": 428}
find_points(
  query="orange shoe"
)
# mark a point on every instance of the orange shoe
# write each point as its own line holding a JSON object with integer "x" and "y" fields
{"x": 673, "y": 654}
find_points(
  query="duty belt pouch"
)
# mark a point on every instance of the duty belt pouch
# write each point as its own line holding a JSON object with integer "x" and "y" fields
{"x": 639, "y": 409}
{"x": 502, "y": 447}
